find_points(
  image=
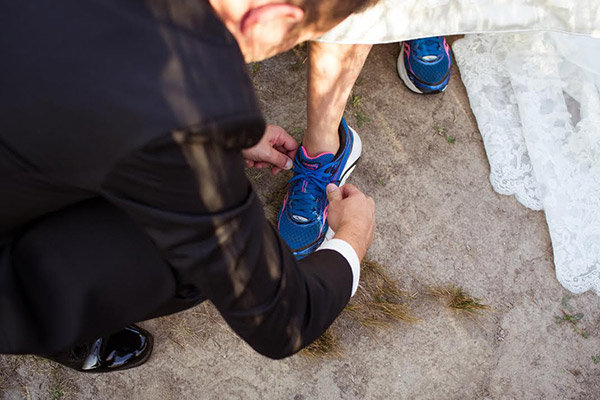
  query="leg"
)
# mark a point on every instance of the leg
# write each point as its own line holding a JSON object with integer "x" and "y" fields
{"x": 333, "y": 69}
{"x": 330, "y": 148}
{"x": 75, "y": 275}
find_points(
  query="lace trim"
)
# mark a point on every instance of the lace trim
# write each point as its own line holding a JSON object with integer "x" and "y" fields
{"x": 537, "y": 105}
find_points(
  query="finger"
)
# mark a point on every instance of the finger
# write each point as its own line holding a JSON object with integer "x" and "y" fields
{"x": 284, "y": 148}
{"x": 275, "y": 170}
{"x": 279, "y": 159}
{"x": 280, "y": 138}
{"x": 371, "y": 204}
{"x": 288, "y": 142}
{"x": 272, "y": 131}
{"x": 261, "y": 164}
{"x": 292, "y": 153}
{"x": 249, "y": 163}
{"x": 349, "y": 190}
{"x": 333, "y": 193}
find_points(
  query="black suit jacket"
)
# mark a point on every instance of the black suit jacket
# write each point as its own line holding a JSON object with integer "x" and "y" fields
{"x": 147, "y": 104}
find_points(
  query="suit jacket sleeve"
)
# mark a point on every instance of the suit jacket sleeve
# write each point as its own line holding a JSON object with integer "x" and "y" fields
{"x": 192, "y": 197}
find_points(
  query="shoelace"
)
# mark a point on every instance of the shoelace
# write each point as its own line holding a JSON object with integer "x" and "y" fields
{"x": 306, "y": 204}
{"x": 427, "y": 47}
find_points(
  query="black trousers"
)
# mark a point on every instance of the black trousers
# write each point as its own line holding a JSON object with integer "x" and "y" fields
{"x": 83, "y": 271}
{"x": 171, "y": 223}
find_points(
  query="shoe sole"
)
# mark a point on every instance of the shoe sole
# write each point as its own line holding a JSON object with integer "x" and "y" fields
{"x": 403, "y": 73}
{"x": 352, "y": 158}
{"x": 350, "y": 166}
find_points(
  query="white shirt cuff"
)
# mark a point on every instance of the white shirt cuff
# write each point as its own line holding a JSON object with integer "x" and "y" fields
{"x": 348, "y": 252}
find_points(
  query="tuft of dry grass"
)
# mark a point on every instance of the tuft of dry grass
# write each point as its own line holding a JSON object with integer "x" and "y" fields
{"x": 458, "y": 299}
{"x": 193, "y": 327}
{"x": 181, "y": 331}
{"x": 254, "y": 68}
{"x": 325, "y": 345}
{"x": 38, "y": 369}
{"x": 301, "y": 54}
{"x": 379, "y": 300}
{"x": 254, "y": 174}
{"x": 60, "y": 387}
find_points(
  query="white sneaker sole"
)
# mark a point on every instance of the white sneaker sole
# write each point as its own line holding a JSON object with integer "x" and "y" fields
{"x": 348, "y": 169}
{"x": 403, "y": 73}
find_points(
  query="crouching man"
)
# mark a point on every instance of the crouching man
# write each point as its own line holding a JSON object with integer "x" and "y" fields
{"x": 124, "y": 126}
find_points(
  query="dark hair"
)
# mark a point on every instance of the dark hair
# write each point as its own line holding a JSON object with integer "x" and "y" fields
{"x": 324, "y": 12}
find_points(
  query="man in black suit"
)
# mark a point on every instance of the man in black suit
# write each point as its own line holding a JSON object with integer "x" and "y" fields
{"x": 122, "y": 129}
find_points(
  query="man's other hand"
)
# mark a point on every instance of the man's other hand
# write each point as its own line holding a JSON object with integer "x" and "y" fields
{"x": 351, "y": 215}
{"x": 276, "y": 150}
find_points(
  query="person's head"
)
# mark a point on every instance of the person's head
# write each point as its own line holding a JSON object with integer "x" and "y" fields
{"x": 264, "y": 28}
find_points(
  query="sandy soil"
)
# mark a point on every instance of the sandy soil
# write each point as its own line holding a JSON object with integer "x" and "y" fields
{"x": 438, "y": 222}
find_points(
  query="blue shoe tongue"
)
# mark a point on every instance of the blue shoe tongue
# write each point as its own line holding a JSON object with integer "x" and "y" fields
{"x": 310, "y": 163}
{"x": 429, "y": 49}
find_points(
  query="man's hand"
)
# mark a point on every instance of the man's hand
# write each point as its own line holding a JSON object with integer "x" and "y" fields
{"x": 276, "y": 149}
{"x": 351, "y": 215}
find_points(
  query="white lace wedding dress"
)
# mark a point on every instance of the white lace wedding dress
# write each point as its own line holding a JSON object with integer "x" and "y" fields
{"x": 396, "y": 20}
{"x": 536, "y": 98}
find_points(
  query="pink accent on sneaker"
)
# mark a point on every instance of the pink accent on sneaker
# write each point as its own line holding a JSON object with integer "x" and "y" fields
{"x": 285, "y": 199}
{"x": 447, "y": 50}
{"x": 315, "y": 157}
{"x": 324, "y": 217}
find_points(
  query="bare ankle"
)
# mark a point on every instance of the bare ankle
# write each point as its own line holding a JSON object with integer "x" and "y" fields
{"x": 323, "y": 143}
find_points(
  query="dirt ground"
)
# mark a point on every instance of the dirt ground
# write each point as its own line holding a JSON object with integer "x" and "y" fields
{"x": 438, "y": 222}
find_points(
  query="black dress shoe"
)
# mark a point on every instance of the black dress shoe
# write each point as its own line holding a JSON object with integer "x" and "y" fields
{"x": 121, "y": 350}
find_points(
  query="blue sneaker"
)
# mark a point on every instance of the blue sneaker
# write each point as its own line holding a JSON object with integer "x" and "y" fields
{"x": 302, "y": 220}
{"x": 425, "y": 64}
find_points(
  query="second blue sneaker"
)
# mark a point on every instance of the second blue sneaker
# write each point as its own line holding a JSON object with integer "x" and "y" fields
{"x": 425, "y": 64}
{"x": 302, "y": 220}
